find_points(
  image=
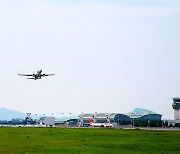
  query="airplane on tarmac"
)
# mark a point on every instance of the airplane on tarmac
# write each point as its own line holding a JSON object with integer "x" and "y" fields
{"x": 36, "y": 76}
{"x": 93, "y": 124}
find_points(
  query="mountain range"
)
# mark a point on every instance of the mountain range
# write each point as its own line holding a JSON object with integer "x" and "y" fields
{"x": 6, "y": 114}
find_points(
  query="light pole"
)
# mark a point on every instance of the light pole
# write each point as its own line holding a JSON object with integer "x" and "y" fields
{"x": 118, "y": 121}
{"x": 70, "y": 119}
{"x": 107, "y": 119}
{"x": 95, "y": 116}
{"x": 133, "y": 122}
{"x": 62, "y": 120}
{"x": 36, "y": 118}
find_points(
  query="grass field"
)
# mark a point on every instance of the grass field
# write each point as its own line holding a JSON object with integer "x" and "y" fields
{"x": 87, "y": 140}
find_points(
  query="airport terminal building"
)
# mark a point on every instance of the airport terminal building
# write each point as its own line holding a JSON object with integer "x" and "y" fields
{"x": 143, "y": 115}
{"x": 138, "y": 114}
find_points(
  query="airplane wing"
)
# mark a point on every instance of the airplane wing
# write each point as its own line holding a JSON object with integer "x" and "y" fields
{"x": 25, "y": 74}
{"x": 48, "y": 74}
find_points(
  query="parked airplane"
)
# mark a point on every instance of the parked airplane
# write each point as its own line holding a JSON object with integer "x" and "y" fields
{"x": 93, "y": 124}
{"x": 37, "y": 75}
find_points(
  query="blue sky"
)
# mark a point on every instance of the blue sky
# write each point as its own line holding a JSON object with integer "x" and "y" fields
{"x": 108, "y": 56}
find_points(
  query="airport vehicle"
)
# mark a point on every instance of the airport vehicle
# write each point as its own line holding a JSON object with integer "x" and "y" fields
{"x": 36, "y": 76}
{"x": 93, "y": 124}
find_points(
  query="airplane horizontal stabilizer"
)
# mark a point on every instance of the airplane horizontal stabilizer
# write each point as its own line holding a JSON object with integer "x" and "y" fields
{"x": 47, "y": 74}
{"x": 31, "y": 78}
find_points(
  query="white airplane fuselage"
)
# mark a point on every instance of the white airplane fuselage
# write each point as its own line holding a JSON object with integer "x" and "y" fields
{"x": 97, "y": 125}
{"x": 93, "y": 124}
{"x": 38, "y": 75}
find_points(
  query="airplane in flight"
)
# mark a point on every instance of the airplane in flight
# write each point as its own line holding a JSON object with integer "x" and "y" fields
{"x": 93, "y": 124}
{"x": 36, "y": 76}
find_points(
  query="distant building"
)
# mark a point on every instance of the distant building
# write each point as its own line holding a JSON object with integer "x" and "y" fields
{"x": 120, "y": 118}
{"x": 83, "y": 118}
{"x": 138, "y": 114}
{"x": 113, "y": 118}
{"x": 105, "y": 118}
{"x": 17, "y": 121}
{"x": 48, "y": 121}
{"x": 173, "y": 123}
{"x": 67, "y": 121}
{"x": 144, "y": 115}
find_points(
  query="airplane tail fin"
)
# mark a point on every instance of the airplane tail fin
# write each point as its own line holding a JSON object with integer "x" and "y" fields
{"x": 90, "y": 121}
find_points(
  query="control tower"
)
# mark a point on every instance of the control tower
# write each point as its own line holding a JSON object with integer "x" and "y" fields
{"x": 176, "y": 107}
